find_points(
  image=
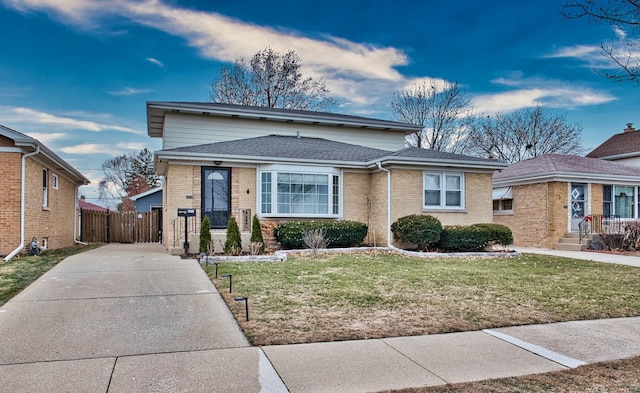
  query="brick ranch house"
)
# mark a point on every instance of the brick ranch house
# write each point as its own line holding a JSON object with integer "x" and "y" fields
{"x": 222, "y": 159}
{"x": 39, "y": 195}
{"x": 545, "y": 199}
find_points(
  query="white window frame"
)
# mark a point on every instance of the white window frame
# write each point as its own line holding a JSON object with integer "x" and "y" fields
{"x": 501, "y": 208}
{"x": 331, "y": 174}
{"x": 443, "y": 191}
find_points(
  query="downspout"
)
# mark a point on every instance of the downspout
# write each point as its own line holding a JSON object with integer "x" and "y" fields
{"x": 22, "y": 203}
{"x": 389, "y": 243}
{"x": 75, "y": 221}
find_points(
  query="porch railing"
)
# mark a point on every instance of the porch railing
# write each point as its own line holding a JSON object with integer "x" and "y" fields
{"x": 599, "y": 223}
{"x": 242, "y": 216}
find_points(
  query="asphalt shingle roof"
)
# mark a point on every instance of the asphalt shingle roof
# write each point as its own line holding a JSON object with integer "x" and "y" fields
{"x": 416, "y": 152}
{"x": 289, "y": 147}
{"x": 554, "y": 164}
{"x": 618, "y": 144}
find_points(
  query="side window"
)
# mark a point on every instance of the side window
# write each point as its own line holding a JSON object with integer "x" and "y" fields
{"x": 45, "y": 188}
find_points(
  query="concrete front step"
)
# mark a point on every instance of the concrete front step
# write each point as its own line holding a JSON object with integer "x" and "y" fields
{"x": 569, "y": 247}
{"x": 570, "y": 240}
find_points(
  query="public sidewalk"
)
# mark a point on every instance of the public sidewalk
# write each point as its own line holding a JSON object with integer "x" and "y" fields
{"x": 131, "y": 318}
{"x": 586, "y": 255}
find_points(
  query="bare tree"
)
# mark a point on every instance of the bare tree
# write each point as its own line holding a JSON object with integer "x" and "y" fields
{"x": 442, "y": 112}
{"x": 524, "y": 134}
{"x": 273, "y": 80}
{"x": 620, "y": 14}
{"x": 121, "y": 171}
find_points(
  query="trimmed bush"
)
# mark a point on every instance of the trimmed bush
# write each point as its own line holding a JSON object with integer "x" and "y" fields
{"x": 233, "y": 244}
{"x": 205, "y": 235}
{"x": 336, "y": 233}
{"x": 464, "y": 238}
{"x": 256, "y": 235}
{"x": 421, "y": 230}
{"x": 498, "y": 234}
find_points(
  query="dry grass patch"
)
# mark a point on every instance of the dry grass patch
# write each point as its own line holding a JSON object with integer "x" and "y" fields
{"x": 620, "y": 377}
{"x": 360, "y": 296}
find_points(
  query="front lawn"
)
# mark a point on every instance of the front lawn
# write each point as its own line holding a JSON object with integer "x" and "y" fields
{"x": 359, "y": 296}
{"x": 19, "y": 272}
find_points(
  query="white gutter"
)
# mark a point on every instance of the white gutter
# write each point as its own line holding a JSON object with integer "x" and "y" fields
{"x": 22, "y": 204}
{"x": 389, "y": 243}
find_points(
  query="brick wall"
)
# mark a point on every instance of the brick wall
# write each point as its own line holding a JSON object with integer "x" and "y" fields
{"x": 10, "y": 168}
{"x": 182, "y": 190}
{"x": 540, "y": 214}
{"x": 55, "y": 222}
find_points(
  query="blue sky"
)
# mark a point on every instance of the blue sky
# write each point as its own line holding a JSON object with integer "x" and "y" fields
{"x": 76, "y": 74}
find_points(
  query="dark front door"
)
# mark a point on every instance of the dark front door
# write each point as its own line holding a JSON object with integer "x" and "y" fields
{"x": 578, "y": 204}
{"x": 216, "y": 195}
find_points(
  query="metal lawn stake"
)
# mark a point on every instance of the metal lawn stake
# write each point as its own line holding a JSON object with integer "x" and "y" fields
{"x": 216, "y": 263}
{"x": 246, "y": 304}
{"x": 229, "y": 276}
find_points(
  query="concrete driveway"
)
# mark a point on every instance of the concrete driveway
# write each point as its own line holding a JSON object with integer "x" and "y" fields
{"x": 126, "y": 318}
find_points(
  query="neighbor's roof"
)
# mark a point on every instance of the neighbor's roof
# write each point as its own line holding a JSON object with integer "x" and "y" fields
{"x": 146, "y": 193}
{"x": 317, "y": 151}
{"x": 29, "y": 144}
{"x": 83, "y": 204}
{"x": 626, "y": 144}
{"x": 156, "y": 111}
{"x": 562, "y": 167}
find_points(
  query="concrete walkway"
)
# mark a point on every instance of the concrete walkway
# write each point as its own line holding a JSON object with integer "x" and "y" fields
{"x": 586, "y": 255}
{"x": 130, "y": 318}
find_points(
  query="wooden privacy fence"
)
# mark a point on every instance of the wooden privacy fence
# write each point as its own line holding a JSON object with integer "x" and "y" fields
{"x": 120, "y": 227}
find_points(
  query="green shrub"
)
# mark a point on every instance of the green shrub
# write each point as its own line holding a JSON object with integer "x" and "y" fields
{"x": 205, "y": 235}
{"x": 464, "y": 238}
{"x": 498, "y": 234}
{"x": 421, "y": 230}
{"x": 336, "y": 233}
{"x": 256, "y": 236}
{"x": 233, "y": 244}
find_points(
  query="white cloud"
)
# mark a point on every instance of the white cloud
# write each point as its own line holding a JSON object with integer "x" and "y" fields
{"x": 129, "y": 91}
{"x": 137, "y": 146}
{"x": 222, "y": 38}
{"x": 28, "y": 117}
{"x": 595, "y": 56}
{"x": 537, "y": 91}
{"x": 155, "y": 61}
{"x": 47, "y": 137}
{"x": 85, "y": 148}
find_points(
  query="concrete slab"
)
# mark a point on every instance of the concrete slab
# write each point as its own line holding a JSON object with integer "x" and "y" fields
{"x": 347, "y": 366}
{"x": 224, "y": 370}
{"x": 56, "y": 285}
{"x": 627, "y": 328}
{"x": 470, "y": 356}
{"x": 89, "y": 328}
{"x": 78, "y": 376}
{"x": 118, "y": 257}
{"x": 577, "y": 340}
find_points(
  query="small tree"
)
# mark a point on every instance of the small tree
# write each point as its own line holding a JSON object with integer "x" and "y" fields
{"x": 315, "y": 239}
{"x": 205, "y": 235}
{"x": 271, "y": 79}
{"x": 233, "y": 244}
{"x": 257, "y": 241}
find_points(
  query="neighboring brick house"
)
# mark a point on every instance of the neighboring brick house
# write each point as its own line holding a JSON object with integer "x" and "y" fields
{"x": 283, "y": 165}
{"x": 545, "y": 198}
{"x": 39, "y": 195}
{"x": 623, "y": 147}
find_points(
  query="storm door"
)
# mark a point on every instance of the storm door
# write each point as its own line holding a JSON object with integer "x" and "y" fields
{"x": 216, "y": 195}
{"x": 578, "y": 204}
